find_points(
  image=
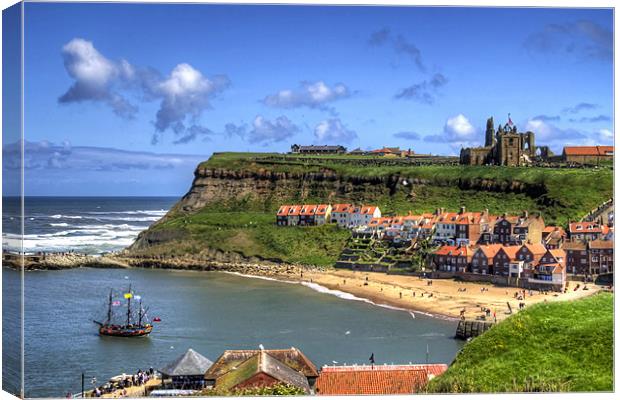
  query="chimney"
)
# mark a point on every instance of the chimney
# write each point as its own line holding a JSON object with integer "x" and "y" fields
{"x": 443, "y": 210}
{"x": 437, "y": 211}
{"x": 525, "y": 214}
{"x": 462, "y": 210}
{"x": 505, "y": 214}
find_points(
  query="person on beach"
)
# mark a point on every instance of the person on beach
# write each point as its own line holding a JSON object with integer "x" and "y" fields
{"x": 463, "y": 313}
{"x": 494, "y": 316}
{"x": 401, "y": 295}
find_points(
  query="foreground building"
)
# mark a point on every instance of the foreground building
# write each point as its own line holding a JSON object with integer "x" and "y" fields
{"x": 240, "y": 369}
{"x": 186, "y": 372}
{"x": 376, "y": 379}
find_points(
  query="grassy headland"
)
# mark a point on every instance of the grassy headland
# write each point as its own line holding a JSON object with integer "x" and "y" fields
{"x": 559, "y": 346}
{"x": 239, "y": 215}
{"x": 560, "y": 194}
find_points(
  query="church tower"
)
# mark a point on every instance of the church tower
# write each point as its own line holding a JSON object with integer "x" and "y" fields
{"x": 490, "y": 134}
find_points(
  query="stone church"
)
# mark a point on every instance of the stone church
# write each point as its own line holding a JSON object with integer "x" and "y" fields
{"x": 505, "y": 146}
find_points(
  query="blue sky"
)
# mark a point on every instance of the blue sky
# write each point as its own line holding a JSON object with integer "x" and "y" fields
{"x": 178, "y": 82}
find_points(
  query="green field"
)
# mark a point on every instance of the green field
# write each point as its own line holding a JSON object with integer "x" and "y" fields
{"x": 255, "y": 234}
{"x": 559, "y": 346}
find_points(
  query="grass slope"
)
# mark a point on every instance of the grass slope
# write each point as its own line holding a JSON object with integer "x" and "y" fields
{"x": 255, "y": 234}
{"x": 559, "y": 346}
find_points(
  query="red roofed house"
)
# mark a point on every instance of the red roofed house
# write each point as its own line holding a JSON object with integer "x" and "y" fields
{"x": 482, "y": 260}
{"x": 445, "y": 227}
{"x": 468, "y": 226}
{"x": 341, "y": 214}
{"x": 282, "y": 215}
{"x": 584, "y": 231}
{"x": 531, "y": 254}
{"x": 323, "y": 214}
{"x": 601, "y": 256}
{"x": 453, "y": 258}
{"x": 553, "y": 237}
{"x": 376, "y": 380}
{"x": 362, "y": 215}
{"x": 503, "y": 228}
{"x": 550, "y": 273}
{"x": 306, "y": 215}
{"x": 577, "y": 260}
{"x": 503, "y": 258}
{"x": 294, "y": 215}
{"x": 587, "y": 154}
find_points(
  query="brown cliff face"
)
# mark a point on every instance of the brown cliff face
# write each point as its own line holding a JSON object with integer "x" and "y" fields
{"x": 270, "y": 189}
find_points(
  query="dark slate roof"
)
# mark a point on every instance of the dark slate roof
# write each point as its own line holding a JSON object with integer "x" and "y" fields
{"x": 291, "y": 357}
{"x": 262, "y": 362}
{"x": 313, "y": 147}
{"x": 190, "y": 363}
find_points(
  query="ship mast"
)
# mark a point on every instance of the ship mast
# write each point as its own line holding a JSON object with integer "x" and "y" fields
{"x": 140, "y": 313}
{"x": 129, "y": 305}
{"x": 109, "y": 308}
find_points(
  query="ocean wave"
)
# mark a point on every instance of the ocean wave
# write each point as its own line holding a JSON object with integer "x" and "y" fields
{"x": 61, "y": 224}
{"x": 60, "y": 216}
{"x": 160, "y": 212}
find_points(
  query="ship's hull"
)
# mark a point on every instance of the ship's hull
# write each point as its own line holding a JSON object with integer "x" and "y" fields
{"x": 125, "y": 331}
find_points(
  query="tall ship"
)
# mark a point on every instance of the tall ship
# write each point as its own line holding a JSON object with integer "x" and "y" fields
{"x": 133, "y": 323}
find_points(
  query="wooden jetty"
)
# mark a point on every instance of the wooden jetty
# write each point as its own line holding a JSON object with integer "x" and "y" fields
{"x": 471, "y": 328}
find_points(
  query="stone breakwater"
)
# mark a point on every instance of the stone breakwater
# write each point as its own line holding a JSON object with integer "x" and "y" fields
{"x": 68, "y": 261}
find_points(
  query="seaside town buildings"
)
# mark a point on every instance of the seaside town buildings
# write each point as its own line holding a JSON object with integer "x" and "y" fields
{"x": 236, "y": 370}
{"x": 519, "y": 250}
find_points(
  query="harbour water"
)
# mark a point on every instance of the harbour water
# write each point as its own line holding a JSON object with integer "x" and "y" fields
{"x": 207, "y": 311}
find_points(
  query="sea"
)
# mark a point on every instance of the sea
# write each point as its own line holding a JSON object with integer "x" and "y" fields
{"x": 206, "y": 311}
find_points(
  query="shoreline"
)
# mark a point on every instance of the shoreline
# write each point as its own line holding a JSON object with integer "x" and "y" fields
{"x": 438, "y": 298}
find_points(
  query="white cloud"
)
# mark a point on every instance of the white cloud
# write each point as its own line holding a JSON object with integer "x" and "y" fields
{"x": 458, "y": 132}
{"x": 263, "y": 130}
{"x": 309, "y": 94}
{"x": 184, "y": 93}
{"x": 333, "y": 131}
{"x": 96, "y": 77}
{"x": 605, "y": 136}
{"x": 458, "y": 128}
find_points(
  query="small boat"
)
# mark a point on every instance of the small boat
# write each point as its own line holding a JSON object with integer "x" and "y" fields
{"x": 131, "y": 326}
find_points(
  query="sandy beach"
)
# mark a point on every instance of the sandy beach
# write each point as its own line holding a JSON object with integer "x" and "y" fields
{"x": 445, "y": 297}
{"x": 441, "y": 298}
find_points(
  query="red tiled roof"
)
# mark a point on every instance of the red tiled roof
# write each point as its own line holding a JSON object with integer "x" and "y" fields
{"x": 368, "y": 210}
{"x": 584, "y": 227}
{"x": 380, "y": 380}
{"x": 469, "y": 218}
{"x": 283, "y": 211}
{"x": 308, "y": 209}
{"x": 322, "y": 209}
{"x": 341, "y": 208}
{"x": 490, "y": 250}
{"x": 294, "y": 210}
{"x": 452, "y": 251}
{"x": 588, "y": 150}
{"x": 511, "y": 251}
{"x": 448, "y": 217}
{"x": 536, "y": 248}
